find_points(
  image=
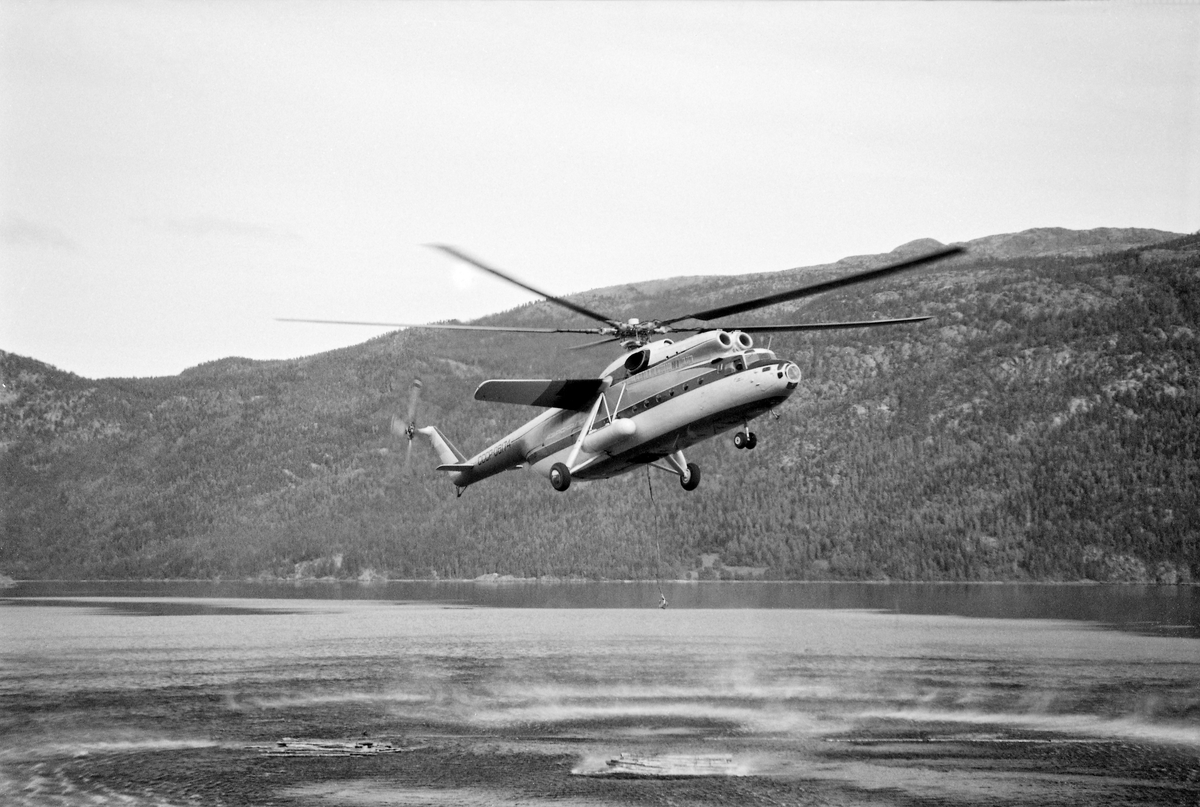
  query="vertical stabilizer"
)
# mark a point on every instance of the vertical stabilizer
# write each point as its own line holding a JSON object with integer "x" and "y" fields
{"x": 447, "y": 453}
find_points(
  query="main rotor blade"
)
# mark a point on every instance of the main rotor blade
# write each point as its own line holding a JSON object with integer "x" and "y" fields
{"x": 578, "y": 309}
{"x": 817, "y": 288}
{"x": 502, "y": 328}
{"x": 586, "y": 345}
{"x": 822, "y": 326}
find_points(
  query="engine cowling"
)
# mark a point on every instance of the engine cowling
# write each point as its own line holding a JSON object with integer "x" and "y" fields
{"x": 700, "y": 346}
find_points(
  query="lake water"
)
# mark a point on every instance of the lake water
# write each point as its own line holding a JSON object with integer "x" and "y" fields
{"x": 151, "y": 693}
{"x": 1162, "y": 610}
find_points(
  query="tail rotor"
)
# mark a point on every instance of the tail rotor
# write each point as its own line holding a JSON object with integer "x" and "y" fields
{"x": 408, "y": 427}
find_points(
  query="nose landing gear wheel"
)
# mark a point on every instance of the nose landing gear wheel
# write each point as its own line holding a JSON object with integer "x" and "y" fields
{"x": 560, "y": 477}
{"x": 691, "y": 480}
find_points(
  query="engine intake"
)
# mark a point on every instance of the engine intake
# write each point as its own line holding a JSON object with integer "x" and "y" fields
{"x": 636, "y": 362}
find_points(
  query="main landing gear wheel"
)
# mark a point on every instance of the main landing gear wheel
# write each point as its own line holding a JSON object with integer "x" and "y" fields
{"x": 745, "y": 440}
{"x": 560, "y": 477}
{"x": 691, "y": 481}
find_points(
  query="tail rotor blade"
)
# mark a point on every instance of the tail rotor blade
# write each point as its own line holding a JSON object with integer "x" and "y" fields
{"x": 413, "y": 397}
{"x": 408, "y": 428}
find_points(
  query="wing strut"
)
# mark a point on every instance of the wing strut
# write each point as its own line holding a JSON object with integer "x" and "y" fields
{"x": 583, "y": 433}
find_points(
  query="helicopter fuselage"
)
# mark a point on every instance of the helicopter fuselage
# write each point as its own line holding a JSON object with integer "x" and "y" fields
{"x": 655, "y": 402}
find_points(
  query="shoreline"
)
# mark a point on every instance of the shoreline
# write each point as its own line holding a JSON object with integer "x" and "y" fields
{"x": 508, "y": 580}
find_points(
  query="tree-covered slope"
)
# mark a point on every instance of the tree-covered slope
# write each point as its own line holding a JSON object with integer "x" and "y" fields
{"x": 1043, "y": 426}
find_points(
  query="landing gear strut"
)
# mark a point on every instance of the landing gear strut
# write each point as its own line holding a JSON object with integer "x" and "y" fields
{"x": 689, "y": 472}
{"x": 745, "y": 440}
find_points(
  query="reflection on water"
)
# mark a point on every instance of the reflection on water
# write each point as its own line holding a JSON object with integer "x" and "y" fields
{"x": 148, "y": 607}
{"x": 79, "y": 679}
{"x": 1166, "y": 610}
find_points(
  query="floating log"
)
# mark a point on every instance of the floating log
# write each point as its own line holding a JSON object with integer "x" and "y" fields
{"x": 292, "y": 747}
{"x": 670, "y": 766}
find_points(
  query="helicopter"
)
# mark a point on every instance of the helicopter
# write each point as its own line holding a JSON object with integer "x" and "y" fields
{"x": 657, "y": 399}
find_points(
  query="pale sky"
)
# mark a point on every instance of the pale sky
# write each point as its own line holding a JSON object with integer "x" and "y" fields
{"x": 177, "y": 175}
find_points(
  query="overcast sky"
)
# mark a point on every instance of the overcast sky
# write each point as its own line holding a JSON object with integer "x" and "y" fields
{"x": 177, "y": 175}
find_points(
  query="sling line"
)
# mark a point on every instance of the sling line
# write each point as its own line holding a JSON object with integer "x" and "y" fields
{"x": 657, "y": 544}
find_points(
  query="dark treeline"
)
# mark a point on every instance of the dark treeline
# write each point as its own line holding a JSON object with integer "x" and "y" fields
{"x": 1043, "y": 427}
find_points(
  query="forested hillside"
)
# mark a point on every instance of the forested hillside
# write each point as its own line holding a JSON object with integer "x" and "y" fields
{"x": 1045, "y": 425}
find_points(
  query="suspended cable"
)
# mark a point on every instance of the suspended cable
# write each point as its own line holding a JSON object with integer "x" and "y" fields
{"x": 657, "y": 544}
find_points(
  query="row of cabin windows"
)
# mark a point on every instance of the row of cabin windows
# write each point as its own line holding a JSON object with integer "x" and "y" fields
{"x": 729, "y": 367}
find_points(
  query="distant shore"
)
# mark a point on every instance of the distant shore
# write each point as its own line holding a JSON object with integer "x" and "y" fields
{"x": 502, "y": 580}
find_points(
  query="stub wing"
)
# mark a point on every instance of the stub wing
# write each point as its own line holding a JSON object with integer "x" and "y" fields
{"x": 577, "y": 394}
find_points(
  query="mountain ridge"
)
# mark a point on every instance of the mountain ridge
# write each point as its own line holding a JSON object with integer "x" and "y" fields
{"x": 1034, "y": 242}
{"x": 1042, "y": 427}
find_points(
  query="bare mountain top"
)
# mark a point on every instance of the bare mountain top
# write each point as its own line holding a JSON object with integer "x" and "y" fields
{"x": 1038, "y": 242}
{"x": 1041, "y": 241}
{"x": 918, "y": 247}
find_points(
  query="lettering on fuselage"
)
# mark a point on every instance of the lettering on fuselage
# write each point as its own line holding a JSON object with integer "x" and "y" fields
{"x": 494, "y": 451}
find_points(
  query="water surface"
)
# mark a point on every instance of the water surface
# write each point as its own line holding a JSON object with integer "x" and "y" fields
{"x": 916, "y": 693}
{"x": 1169, "y": 610}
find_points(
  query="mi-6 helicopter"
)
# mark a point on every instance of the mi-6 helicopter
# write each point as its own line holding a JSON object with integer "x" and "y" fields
{"x": 645, "y": 408}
